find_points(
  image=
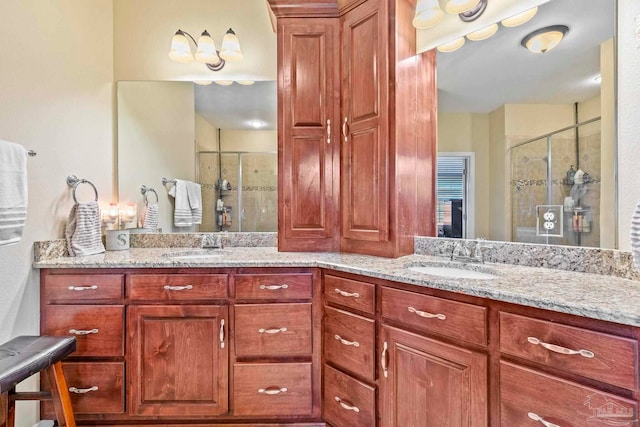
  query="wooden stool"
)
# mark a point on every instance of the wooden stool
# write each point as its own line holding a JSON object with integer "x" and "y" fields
{"x": 27, "y": 355}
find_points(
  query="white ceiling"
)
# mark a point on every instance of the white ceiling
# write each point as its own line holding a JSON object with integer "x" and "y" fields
{"x": 479, "y": 77}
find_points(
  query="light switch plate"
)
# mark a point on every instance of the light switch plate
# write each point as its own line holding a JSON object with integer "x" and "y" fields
{"x": 549, "y": 220}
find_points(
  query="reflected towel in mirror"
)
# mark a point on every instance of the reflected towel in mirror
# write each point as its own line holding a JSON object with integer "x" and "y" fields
{"x": 13, "y": 192}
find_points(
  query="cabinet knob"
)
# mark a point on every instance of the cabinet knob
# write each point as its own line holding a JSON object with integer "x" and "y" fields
{"x": 562, "y": 350}
{"x": 536, "y": 417}
{"x": 344, "y": 404}
{"x": 426, "y": 314}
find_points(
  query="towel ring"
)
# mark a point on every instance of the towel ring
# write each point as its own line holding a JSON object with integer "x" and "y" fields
{"x": 145, "y": 191}
{"x": 73, "y": 182}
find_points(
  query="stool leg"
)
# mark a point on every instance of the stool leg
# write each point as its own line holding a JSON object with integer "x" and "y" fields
{"x": 60, "y": 395}
{"x": 8, "y": 414}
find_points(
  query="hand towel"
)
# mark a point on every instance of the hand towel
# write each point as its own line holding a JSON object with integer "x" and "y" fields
{"x": 188, "y": 203}
{"x": 83, "y": 230}
{"x": 13, "y": 192}
{"x": 151, "y": 214}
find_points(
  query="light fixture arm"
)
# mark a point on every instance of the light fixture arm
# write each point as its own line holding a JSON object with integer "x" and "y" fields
{"x": 213, "y": 67}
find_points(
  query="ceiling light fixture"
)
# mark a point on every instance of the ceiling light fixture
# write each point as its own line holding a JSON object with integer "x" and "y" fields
{"x": 544, "y": 39}
{"x": 206, "y": 51}
{"x": 474, "y": 13}
{"x": 246, "y": 82}
{"x": 428, "y": 14}
{"x": 256, "y": 123}
{"x": 451, "y": 46}
{"x": 483, "y": 33}
{"x": 460, "y": 6}
{"x": 203, "y": 82}
{"x": 520, "y": 18}
{"x": 224, "y": 82}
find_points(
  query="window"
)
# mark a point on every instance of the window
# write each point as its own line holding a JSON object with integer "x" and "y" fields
{"x": 451, "y": 195}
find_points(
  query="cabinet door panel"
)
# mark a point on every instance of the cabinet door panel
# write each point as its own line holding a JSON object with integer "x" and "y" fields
{"x": 179, "y": 360}
{"x": 429, "y": 383}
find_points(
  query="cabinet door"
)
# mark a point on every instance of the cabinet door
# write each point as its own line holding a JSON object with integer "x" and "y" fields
{"x": 364, "y": 124}
{"x": 308, "y": 155}
{"x": 424, "y": 382}
{"x": 179, "y": 360}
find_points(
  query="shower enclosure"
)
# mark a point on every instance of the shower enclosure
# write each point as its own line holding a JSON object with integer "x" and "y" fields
{"x": 249, "y": 201}
{"x": 548, "y": 170}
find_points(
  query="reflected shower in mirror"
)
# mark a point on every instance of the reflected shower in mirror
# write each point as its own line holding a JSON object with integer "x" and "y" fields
{"x": 521, "y": 122}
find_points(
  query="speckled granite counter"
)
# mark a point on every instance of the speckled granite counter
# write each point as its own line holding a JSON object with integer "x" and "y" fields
{"x": 590, "y": 295}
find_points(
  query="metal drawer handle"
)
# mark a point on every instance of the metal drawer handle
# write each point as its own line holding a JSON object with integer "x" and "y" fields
{"x": 383, "y": 360}
{"x": 273, "y": 287}
{"x": 346, "y": 405}
{"x": 272, "y": 330}
{"x": 426, "y": 314}
{"x": 536, "y": 417}
{"x": 344, "y": 130}
{"x": 328, "y": 131}
{"x": 562, "y": 350}
{"x": 345, "y": 342}
{"x": 83, "y": 288}
{"x": 347, "y": 294}
{"x": 272, "y": 390}
{"x": 177, "y": 288}
{"x": 83, "y": 390}
{"x": 83, "y": 332}
{"x": 221, "y": 333}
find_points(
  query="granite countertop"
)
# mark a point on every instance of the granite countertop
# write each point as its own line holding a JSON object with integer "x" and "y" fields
{"x": 589, "y": 295}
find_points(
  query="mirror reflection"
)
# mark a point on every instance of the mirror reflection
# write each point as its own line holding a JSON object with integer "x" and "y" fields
{"x": 526, "y": 141}
{"x": 221, "y": 136}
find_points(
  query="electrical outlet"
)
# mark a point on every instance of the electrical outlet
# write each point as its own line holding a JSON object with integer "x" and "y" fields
{"x": 549, "y": 220}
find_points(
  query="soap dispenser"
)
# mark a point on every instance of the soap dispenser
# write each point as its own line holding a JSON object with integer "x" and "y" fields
{"x": 570, "y": 174}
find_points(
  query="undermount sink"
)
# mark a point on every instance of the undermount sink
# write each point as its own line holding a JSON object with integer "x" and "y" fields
{"x": 196, "y": 254}
{"x": 454, "y": 271}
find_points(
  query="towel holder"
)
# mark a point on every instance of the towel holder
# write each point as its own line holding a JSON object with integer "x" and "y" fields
{"x": 166, "y": 181}
{"x": 73, "y": 182}
{"x": 145, "y": 191}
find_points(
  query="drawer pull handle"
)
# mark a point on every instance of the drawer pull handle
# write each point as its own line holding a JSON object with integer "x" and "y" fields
{"x": 328, "y": 131}
{"x": 83, "y": 332}
{"x": 383, "y": 359}
{"x": 273, "y": 287}
{"x": 347, "y": 294}
{"x": 83, "y": 288}
{"x": 177, "y": 288}
{"x": 344, "y": 130}
{"x": 221, "y": 333}
{"x": 562, "y": 350}
{"x": 83, "y": 390}
{"x": 272, "y": 390}
{"x": 426, "y": 314}
{"x": 345, "y": 342}
{"x": 346, "y": 405}
{"x": 272, "y": 330}
{"x": 536, "y": 417}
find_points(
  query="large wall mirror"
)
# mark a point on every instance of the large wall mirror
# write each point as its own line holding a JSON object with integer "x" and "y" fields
{"x": 515, "y": 126}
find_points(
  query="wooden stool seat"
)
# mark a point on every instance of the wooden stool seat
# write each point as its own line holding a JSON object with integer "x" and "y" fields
{"x": 25, "y": 356}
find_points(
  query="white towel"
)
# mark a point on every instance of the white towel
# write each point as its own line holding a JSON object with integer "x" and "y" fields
{"x": 13, "y": 192}
{"x": 151, "y": 215}
{"x": 83, "y": 230}
{"x": 188, "y": 203}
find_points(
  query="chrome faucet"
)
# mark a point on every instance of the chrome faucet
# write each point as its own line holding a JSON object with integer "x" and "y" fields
{"x": 463, "y": 252}
{"x": 213, "y": 240}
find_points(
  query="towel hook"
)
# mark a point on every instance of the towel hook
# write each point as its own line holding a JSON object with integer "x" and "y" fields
{"x": 145, "y": 190}
{"x": 73, "y": 182}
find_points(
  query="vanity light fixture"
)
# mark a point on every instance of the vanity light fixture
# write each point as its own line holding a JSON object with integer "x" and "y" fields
{"x": 520, "y": 18}
{"x": 428, "y": 14}
{"x": 224, "y": 82}
{"x": 544, "y": 39}
{"x": 206, "y": 51}
{"x": 203, "y": 82}
{"x": 245, "y": 82}
{"x": 451, "y": 46}
{"x": 483, "y": 33}
{"x": 460, "y": 6}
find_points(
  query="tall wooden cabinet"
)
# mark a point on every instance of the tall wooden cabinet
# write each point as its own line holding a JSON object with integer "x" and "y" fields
{"x": 379, "y": 143}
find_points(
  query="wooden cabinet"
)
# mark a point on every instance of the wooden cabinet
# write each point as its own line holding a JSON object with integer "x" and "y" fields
{"x": 377, "y": 150}
{"x": 425, "y": 382}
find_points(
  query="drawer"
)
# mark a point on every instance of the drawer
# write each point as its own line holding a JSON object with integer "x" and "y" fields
{"x": 273, "y": 286}
{"x": 349, "y": 342}
{"x": 95, "y": 388}
{"x": 98, "y": 329}
{"x": 596, "y": 355}
{"x": 347, "y": 402}
{"x": 459, "y": 320}
{"x": 273, "y": 329}
{"x": 529, "y": 398}
{"x": 350, "y": 293}
{"x": 272, "y": 389}
{"x": 177, "y": 287}
{"x": 82, "y": 287}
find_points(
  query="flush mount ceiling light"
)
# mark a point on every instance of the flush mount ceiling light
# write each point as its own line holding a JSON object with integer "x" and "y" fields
{"x": 520, "y": 18}
{"x": 451, "y": 46}
{"x": 206, "y": 51}
{"x": 483, "y": 33}
{"x": 544, "y": 39}
{"x": 256, "y": 123}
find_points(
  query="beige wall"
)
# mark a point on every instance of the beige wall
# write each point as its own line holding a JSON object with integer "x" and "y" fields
{"x": 56, "y": 92}
{"x": 607, "y": 146}
{"x": 156, "y": 133}
{"x": 499, "y": 217}
{"x": 206, "y": 135}
{"x": 249, "y": 140}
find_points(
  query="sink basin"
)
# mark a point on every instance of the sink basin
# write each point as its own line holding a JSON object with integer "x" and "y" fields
{"x": 454, "y": 272}
{"x": 196, "y": 254}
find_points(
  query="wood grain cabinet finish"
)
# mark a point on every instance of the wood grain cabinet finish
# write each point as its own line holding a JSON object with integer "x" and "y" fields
{"x": 349, "y": 293}
{"x": 177, "y": 287}
{"x": 424, "y": 382}
{"x": 530, "y": 398}
{"x": 455, "y": 319}
{"x": 292, "y": 286}
{"x": 178, "y": 360}
{"x": 96, "y": 288}
{"x": 347, "y": 402}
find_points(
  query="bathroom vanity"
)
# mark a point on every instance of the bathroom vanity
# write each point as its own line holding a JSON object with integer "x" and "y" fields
{"x": 260, "y": 337}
